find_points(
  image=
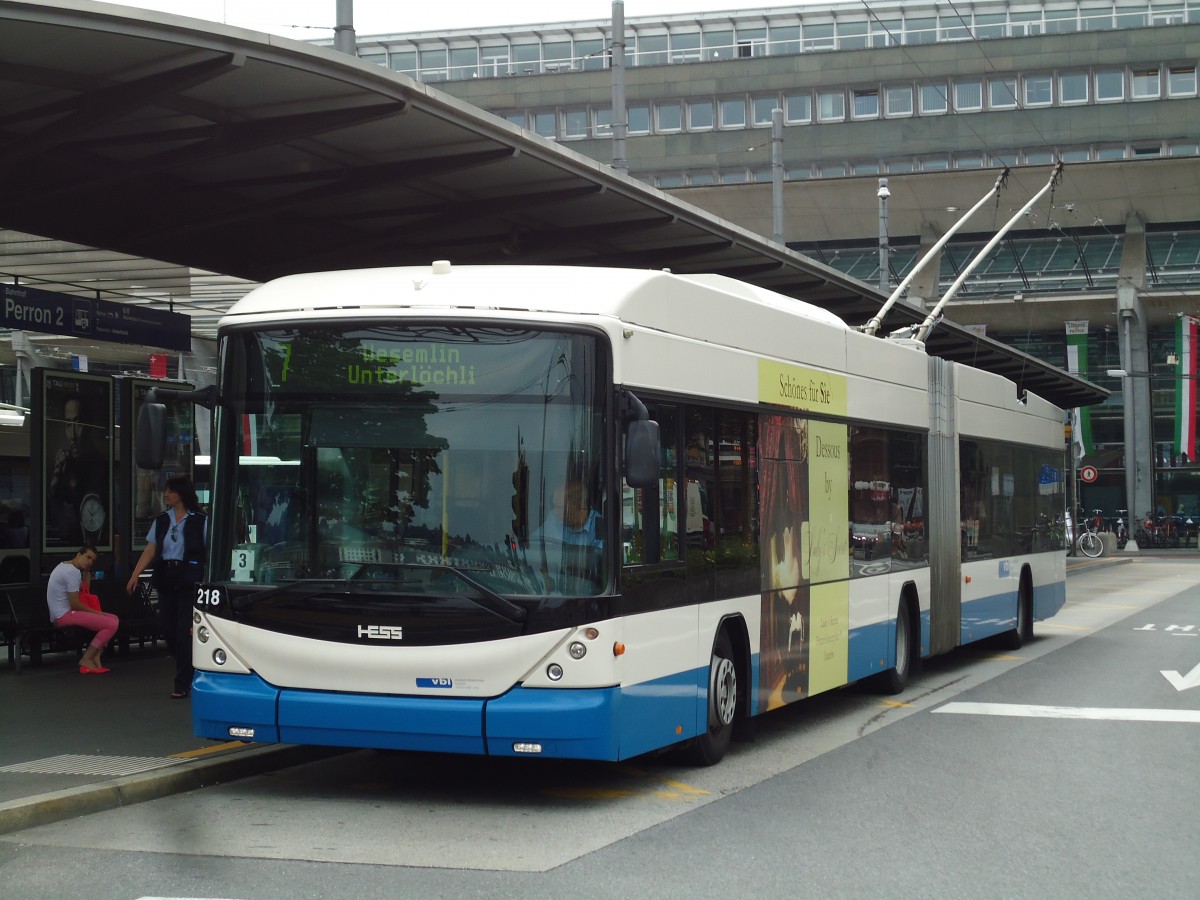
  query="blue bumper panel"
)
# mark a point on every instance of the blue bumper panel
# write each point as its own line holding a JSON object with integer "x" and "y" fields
{"x": 242, "y": 701}
{"x": 384, "y": 722}
{"x": 575, "y": 724}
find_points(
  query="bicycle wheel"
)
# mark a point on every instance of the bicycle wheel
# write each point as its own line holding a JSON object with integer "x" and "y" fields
{"x": 1090, "y": 544}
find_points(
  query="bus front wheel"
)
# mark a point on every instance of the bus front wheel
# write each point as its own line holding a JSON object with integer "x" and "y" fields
{"x": 895, "y": 679}
{"x": 708, "y": 748}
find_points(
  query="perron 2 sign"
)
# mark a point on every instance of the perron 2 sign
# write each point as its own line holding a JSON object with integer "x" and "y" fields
{"x": 32, "y": 309}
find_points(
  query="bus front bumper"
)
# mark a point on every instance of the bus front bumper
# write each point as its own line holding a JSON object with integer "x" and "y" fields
{"x": 574, "y": 724}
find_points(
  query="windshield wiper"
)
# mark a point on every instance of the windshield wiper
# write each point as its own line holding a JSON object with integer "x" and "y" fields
{"x": 487, "y": 598}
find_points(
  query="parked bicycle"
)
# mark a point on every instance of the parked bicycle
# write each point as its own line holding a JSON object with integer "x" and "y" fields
{"x": 1089, "y": 542}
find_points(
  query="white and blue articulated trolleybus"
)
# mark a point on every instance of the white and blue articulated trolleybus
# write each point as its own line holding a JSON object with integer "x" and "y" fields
{"x": 593, "y": 513}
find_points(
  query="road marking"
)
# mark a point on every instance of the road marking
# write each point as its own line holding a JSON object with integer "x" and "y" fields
{"x": 1191, "y": 716}
{"x": 1184, "y": 682}
{"x": 206, "y": 751}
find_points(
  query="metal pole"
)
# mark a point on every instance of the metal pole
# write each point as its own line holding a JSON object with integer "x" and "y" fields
{"x": 883, "y": 195}
{"x": 777, "y": 174}
{"x": 343, "y": 31}
{"x": 620, "y": 125}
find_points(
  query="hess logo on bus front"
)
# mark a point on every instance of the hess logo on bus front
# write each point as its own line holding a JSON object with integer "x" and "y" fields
{"x": 381, "y": 632}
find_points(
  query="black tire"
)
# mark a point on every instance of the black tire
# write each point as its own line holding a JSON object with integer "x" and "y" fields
{"x": 710, "y": 747}
{"x": 1013, "y": 640}
{"x": 1090, "y": 544}
{"x": 896, "y": 679}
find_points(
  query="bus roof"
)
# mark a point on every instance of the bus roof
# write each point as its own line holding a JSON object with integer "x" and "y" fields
{"x": 636, "y": 296}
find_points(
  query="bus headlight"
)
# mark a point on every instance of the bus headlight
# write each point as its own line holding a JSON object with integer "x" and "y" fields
{"x": 202, "y": 634}
{"x": 219, "y": 656}
{"x": 577, "y": 650}
{"x": 554, "y": 672}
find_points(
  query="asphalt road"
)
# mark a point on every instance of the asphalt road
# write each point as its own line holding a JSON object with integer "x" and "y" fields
{"x": 1069, "y": 768}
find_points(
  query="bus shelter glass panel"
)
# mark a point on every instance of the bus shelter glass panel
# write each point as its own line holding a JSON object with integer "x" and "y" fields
{"x": 380, "y": 455}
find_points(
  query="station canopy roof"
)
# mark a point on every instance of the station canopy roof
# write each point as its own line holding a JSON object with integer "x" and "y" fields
{"x": 254, "y": 156}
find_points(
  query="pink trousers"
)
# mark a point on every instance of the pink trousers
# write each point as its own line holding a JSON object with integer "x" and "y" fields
{"x": 104, "y": 624}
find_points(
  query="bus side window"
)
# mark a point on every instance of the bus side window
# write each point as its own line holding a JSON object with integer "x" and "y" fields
{"x": 633, "y": 501}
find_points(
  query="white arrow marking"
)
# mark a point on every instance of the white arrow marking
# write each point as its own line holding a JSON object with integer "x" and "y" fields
{"x": 1183, "y": 682}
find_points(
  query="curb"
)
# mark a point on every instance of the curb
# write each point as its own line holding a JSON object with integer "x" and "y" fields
{"x": 1077, "y": 564}
{"x": 54, "y": 806}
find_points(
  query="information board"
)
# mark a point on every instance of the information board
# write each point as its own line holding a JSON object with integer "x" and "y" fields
{"x": 33, "y": 309}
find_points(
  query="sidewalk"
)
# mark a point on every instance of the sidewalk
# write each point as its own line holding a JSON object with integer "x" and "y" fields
{"x": 71, "y": 745}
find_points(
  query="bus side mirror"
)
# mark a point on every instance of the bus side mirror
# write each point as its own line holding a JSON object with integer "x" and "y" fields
{"x": 150, "y": 439}
{"x": 643, "y": 450}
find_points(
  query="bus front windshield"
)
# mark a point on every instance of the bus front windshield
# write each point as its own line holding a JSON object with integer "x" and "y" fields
{"x": 413, "y": 458}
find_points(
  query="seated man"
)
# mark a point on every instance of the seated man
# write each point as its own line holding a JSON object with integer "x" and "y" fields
{"x": 68, "y": 610}
{"x": 571, "y": 537}
{"x": 572, "y": 521}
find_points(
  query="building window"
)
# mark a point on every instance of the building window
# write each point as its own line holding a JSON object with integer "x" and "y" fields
{"x": 802, "y": 173}
{"x": 762, "y": 109}
{"x": 833, "y": 170}
{"x": 1061, "y": 21}
{"x": 1075, "y": 156}
{"x": 517, "y": 119}
{"x": 797, "y": 108}
{"x": 464, "y": 63}
{"x": 668, "y": 115}
{"x": 527, "y": 58}
{"x": 734, "y": 176}
{"x": 1039, "y": 90}
{"x": 852, "y": 35}
{"x": 1073, "y": 88}
{"x": 544, "y": 124}
{"x": 685, "y": 47}
{"x": 670, "y": 181}
{"x": 1145, "y": 84}
{"x": 575, "y": 123}
{"x": 785, "y": 40}
{"x": 886, "y": 32}
{"x": 733, "y": 113}
{"x": 968, "y": 161}
{"x": 920, "y": 31}
{"x": 1183, "y": 149}
{"x": 652, "y": 50}
{"x": 590, "y": 54}
{"x": 700, "y": 115}
{"x": 933, "y": 99}
{"x": 990, "y": 26}
{"x": 935, "y": 164}
{"x": 968, "y": 96}
{"x": 403, "y": 61}
{"x": 869, "y": 168}
{"x": 1096, "y": 18}
{"x": 602, "y": 122}
{"x": 818, "y": 37}
{"x": 751, "y": 42}
{"x": 1002, "y": 93}
{"x": 866, "y": 104}
{"x": 718, "y": 44}
{"x": 433, "y": 65}
{"x": 1110, "y": 85}
{"x": 699, "y": 179}
{"x": 900, "y": 101}
{"x": 1181, "y": 81}
{"x": 1024, "y": 23}
{"x": 1039, "y": 157}
{"x": 639, "y": 119}
{"x": 1112, "y": 152}
{"x": 831, "y": 106}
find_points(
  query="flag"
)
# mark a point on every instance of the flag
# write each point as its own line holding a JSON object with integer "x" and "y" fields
{"x": 79, "y": 363}
{"x": 1077, "y": 364}
{"x": 158, "y": 365}
{"x": 1185, "y": 388}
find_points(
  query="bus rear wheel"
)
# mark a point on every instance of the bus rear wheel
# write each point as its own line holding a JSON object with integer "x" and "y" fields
{"x": 710, "y": 747}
